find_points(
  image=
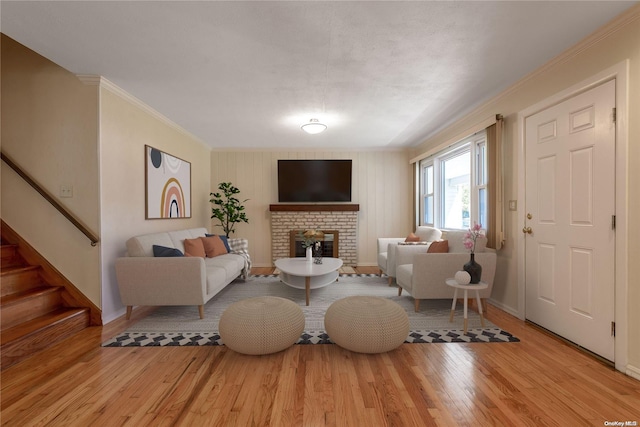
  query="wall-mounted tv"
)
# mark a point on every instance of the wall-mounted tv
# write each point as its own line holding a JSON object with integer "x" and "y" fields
{"x": 314, "y": 180}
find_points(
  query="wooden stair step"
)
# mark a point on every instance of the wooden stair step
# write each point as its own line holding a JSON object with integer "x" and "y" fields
{"x": 35, "y": 325}
{"x": 8, "y": 250}
{"x": 9, "y": 256}
{"x": 20, "y": 279}
{"x": 24, "y": 306}
{"x": 35, "y": 301}
{"x": 8, "y": 270}
{"x": 17, "y": 297}
{"x": 25, "y": 339}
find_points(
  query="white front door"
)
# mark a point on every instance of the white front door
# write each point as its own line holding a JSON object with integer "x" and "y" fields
{"x": 570, "y": 203}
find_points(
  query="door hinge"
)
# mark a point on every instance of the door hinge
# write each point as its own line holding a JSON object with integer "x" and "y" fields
{"x": 613, "y": 222}
{"x": 613, "y": 329}
{"x": 613, "y": 114}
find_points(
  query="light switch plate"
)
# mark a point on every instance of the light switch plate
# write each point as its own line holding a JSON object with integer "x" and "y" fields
{"x": 513, "y": 205}
{"x": 66, "y": 191}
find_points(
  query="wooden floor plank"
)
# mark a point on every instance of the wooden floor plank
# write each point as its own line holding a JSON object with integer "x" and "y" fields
{"x": 539, "y": 381}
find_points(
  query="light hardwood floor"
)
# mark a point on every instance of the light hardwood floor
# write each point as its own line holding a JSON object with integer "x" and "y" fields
{"x": 540, "y": 381}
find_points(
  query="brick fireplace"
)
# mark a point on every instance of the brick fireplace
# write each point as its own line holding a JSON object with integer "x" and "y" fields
{"x": 287, "y": 220}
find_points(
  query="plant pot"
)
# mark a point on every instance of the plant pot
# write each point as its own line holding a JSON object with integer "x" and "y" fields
{"x": 474, "y": 269}
{"x": 309, "y": 254}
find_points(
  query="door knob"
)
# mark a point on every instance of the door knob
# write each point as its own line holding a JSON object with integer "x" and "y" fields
{"x": 527, "y": 230}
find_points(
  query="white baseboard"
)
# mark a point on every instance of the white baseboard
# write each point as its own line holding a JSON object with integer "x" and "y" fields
{"x": 261, "y": 265}
{"x": 633, "y": 371}
{"x": 504, "y": 307}
{"x": 367, "y": 264}
{"x": 108, "y": 318}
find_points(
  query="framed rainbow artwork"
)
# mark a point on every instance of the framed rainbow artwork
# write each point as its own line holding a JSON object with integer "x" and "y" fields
{"x": 168, "y": 185}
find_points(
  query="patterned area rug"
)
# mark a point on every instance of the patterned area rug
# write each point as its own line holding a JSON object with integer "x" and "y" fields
{"x": 181, "y": 326}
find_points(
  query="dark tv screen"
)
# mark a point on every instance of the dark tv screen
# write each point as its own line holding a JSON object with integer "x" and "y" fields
{"x": 314, "y": 180}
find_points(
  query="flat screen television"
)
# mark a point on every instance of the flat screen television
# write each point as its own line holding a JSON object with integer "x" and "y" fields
{"x": 314, "y": 180}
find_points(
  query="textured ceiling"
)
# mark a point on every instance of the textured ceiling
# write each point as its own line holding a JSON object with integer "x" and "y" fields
{"x": 248, "y": 74}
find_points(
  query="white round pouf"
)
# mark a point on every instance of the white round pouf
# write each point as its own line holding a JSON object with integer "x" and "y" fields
{"x": 261, "y": 325}
{"x": 366, "y": 324}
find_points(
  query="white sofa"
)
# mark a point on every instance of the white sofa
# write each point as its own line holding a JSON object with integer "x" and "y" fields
{"x": 147, "y": 280}
{"x": 423, "y": 275}
{"x": 387, "y": 249}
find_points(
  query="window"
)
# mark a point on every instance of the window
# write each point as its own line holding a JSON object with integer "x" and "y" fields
{"x": 455, "y": 190}
{"x": 427, "y": 195}
{"x": 453, "y": 185}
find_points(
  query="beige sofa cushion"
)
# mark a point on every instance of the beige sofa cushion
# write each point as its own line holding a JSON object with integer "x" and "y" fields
{"x": 143, "y": 245}
{"x": 177, "y": 237}
{"x": 428, "y": 234}
{"x": 216, "y": 280}
{"x": 456, "y": 242}
{"x": 230, "y": 263}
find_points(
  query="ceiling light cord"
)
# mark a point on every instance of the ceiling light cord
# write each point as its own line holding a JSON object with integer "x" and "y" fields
{"x": 314, "y": 126}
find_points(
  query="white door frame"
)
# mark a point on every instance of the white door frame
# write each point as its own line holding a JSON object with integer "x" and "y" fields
{"x": 620, "y": 73}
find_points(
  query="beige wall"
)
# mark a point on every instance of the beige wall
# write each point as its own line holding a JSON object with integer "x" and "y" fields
{"x": 618, "y": 42}
{"x": 125, "y": 127}
{"x": 50, "y": 129}
{"x": 91, "y": 136}
{"x": 382, "y": 185}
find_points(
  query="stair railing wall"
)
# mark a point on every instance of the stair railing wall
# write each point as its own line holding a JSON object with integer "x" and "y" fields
{"x": 48, "y": 197}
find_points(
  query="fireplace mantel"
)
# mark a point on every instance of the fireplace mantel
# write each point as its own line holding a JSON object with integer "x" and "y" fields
{"x": 315, "y": 208}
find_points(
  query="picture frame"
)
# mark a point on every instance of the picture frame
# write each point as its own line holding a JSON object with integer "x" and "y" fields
{"x": 167, "y": 185}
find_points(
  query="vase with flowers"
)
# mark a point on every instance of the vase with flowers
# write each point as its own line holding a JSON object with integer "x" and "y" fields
{"x": 472, "y": 267}
{"x": 309, "y": 239}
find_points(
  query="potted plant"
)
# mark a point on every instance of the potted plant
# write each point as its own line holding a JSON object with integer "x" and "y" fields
{"x": 229, "y": 209}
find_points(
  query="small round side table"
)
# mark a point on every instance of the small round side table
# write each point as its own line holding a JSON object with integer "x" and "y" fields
{"x": 476, "y": 287}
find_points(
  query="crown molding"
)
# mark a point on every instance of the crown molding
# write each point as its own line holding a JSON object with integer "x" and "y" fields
{"x": 89, "y": 79}
{"x": 621, "y": 21}
{"x": 459, "y": 137}
{"x": 95, "y": 80}
{"x": 604, "y": 32}
{"x": 310, "y": 149}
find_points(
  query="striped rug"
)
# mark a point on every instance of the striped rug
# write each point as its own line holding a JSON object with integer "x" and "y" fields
{"x": 181, "y": 326}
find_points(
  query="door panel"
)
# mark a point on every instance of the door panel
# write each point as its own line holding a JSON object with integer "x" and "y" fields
{"x": 547, "y": 186}
{"x": 581, "y": 281}
{"x": 581, "y": 191}
{"x": 546, "y": 272}
{"x": 570, "y": 198}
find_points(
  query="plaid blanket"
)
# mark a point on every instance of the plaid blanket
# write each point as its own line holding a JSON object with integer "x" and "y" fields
{"x": 241, "y": 247}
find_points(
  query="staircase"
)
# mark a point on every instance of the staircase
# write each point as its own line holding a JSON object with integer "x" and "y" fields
{"x": 33, "y": 313}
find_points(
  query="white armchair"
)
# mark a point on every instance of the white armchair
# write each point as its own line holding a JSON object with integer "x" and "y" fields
{"x": 423, "y": 275}
{"x": 387, "y": 249}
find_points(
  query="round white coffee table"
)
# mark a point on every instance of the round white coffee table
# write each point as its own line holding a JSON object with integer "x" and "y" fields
{"x": 475, "y": 287}
{"x": 302, "y": 274}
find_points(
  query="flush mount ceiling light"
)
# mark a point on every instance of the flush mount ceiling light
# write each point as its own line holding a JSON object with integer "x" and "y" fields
{"x": 313, "y": 127}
